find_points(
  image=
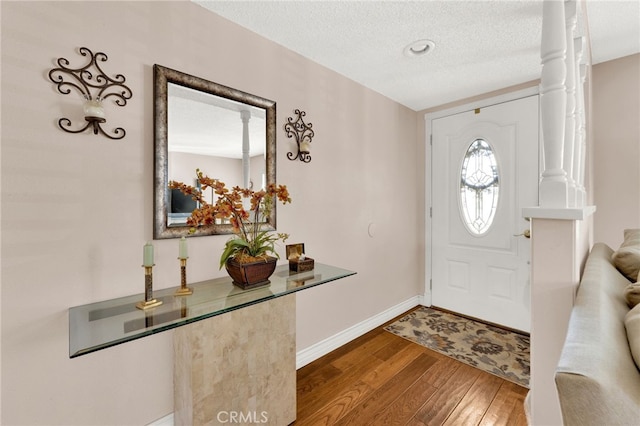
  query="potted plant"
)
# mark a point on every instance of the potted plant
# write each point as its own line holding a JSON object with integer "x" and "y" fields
{"x": 250, "y": 255}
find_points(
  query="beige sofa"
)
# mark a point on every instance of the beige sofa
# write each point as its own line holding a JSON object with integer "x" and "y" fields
{"x": 597, "y": 380}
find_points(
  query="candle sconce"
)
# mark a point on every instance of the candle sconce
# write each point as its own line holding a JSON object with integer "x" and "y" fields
{"x": 85, "y": 81}
{"x": 302, "y": 133}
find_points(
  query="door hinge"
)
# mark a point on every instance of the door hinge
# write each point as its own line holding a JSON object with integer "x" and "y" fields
{"x": 430, "y": 211}
{"x": 431, "y": 139}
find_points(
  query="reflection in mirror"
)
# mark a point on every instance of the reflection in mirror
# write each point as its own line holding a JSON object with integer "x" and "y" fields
{"x": 226, "y": 133}
{"x": 221, "y": 137}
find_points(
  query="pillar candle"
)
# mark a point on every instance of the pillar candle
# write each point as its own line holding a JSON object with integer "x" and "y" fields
{"x": 147, "y": 254}
{"x": 93, "y": 108}
{"x": 182, "y": 251}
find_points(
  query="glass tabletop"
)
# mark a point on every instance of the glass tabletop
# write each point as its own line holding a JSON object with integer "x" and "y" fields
{"x": 104, "y": 324}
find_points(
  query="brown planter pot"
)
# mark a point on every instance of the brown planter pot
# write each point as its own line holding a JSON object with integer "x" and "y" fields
{"x": 251, "y": 275}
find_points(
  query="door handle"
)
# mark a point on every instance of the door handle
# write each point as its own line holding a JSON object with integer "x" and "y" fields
{"x": 526, "y": 234}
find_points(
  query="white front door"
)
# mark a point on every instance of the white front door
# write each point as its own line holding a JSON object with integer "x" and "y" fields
{"x": 484, "y": 171}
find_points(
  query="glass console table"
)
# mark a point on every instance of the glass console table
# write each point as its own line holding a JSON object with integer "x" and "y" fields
{"x": 104, "y": 324}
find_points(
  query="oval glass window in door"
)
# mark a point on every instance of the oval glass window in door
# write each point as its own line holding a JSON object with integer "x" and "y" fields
{"x": 479, "y": 187}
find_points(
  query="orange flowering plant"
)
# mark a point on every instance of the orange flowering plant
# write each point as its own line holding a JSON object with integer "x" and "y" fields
{"x": 251, "y": 242}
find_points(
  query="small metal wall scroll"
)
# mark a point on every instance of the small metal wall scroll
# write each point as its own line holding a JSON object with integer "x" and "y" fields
{"x": 303, "y": 134}
{"x": 94, "y": 86}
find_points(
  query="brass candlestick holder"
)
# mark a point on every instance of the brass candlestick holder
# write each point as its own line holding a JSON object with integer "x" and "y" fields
{"x": 149, "y": 301}
{"x": 183, "y": 290}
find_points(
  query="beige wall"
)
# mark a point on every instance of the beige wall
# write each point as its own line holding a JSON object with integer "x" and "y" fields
{"x": 616, "y": 148}
{"x": 77, "y": 209}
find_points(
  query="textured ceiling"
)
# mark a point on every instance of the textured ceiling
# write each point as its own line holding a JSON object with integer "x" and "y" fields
{"x": 480, "y": 45}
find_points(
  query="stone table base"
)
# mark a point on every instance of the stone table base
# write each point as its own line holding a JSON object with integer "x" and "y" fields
{"x": 238, "y": 367}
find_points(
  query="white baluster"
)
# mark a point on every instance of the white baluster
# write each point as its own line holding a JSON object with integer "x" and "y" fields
{"x": 245, "y": 116}
{"x": 581, "y": 133}
{"x": 553, "y": 100}
{"x": 570, "y": 117}
{"x": 583, "y": 153}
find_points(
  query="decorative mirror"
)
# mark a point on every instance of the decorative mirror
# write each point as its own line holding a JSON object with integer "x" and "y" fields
{"x": 228, "y": 134}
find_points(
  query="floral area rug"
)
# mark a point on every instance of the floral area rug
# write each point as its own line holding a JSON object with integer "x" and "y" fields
{"x": 489, "y": 348}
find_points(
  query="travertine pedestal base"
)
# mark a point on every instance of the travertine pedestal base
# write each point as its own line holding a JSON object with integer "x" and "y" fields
{"x": 238, "y": 367}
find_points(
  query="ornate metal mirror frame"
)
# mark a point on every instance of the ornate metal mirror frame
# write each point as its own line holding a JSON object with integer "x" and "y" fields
{"x": 162, "y": 78}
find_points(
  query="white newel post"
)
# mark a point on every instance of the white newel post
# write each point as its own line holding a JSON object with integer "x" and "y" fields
{"x": 553, "y": 101}
{"x": 570, "y": 124}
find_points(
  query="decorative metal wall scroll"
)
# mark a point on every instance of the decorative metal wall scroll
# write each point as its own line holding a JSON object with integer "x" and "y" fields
{"x": 303, "y": 134}
{"x": 94, "y": 86}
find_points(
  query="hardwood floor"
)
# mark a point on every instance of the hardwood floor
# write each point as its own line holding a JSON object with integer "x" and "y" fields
{"x": 383, "y": 379}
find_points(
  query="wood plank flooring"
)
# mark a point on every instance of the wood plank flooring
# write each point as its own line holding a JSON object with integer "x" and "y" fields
{"x": 382, "y": 379}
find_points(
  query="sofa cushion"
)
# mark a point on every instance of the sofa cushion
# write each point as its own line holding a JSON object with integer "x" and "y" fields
{"x": 632, "y": 294}
{"x": 632, "y": 325}
{"x": 627, "y": 257}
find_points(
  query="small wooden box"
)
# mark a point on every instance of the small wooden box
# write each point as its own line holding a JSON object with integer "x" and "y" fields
{"x": 293, "y": 255}
{"x": 301, "y": 265}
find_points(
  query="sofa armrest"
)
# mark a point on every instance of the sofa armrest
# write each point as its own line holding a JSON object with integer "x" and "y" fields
{"x": 596, "y": 378}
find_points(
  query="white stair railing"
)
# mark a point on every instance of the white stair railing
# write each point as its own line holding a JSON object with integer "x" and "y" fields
{"x": 562, "y": 107}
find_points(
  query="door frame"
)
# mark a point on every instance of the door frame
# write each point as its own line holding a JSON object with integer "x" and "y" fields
{"x": 428, "y": 118}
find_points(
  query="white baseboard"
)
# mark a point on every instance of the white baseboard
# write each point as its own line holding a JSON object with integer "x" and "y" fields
{"x": 325, "y": 346}
{"x": 313, "y": 352}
